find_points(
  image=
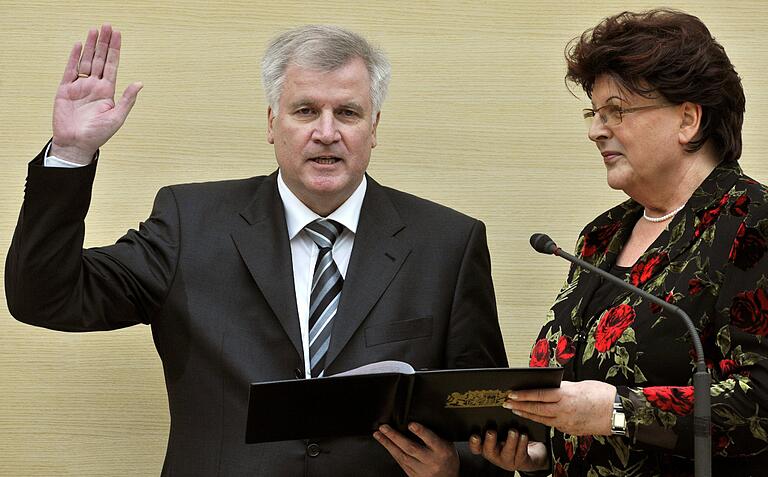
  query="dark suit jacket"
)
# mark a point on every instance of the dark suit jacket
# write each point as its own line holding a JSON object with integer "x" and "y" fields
{"x": 210, "y": 271}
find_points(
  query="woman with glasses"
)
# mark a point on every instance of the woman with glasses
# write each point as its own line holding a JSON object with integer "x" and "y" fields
{"x": 666, "y": 117}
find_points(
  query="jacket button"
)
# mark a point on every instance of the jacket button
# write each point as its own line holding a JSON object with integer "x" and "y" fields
{"x": 313, "y": 450}
{"x": 298, "y": 373}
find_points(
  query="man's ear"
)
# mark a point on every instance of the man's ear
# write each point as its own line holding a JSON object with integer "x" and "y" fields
{"x": 270, "y": 117}
{"x": 690, "y": 121}
{"x": 375, "y": 125}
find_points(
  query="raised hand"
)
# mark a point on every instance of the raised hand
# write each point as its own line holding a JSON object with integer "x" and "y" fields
{"x": 85, "y": 115}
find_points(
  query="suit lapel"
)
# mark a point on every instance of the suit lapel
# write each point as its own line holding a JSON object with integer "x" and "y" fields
{"x": 263, "y": 244}
{"x": 377, "y": 255}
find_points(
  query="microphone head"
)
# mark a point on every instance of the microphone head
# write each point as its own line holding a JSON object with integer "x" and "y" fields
{"x": 543, "y": 244}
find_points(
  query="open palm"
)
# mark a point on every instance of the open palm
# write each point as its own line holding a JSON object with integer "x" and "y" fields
{"x": 85, "y": 114}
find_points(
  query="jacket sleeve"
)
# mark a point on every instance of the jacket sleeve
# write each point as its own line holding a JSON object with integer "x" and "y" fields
{"x": 51, "y": 281}
{"x": 736, "y": 353}
{"x": 475, "y": 337}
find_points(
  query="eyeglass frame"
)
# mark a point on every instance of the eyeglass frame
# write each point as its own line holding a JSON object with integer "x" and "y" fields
{"x": 589, "y": 114}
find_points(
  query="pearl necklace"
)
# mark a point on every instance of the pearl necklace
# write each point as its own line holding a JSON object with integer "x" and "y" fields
{"x": 663, "y": 217}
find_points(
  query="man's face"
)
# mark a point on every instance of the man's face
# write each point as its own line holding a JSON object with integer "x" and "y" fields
{"x": 323, "y": 133}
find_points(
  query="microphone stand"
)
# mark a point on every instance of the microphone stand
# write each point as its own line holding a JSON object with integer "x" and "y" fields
{"x": 702, "y": 450}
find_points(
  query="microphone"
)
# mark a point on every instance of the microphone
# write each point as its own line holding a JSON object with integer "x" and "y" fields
{"x": 702, "y": 450}
{"x": 543, "y": 244}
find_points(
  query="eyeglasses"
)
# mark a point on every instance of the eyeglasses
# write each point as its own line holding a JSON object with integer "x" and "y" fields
{"x": 612, "y": 114}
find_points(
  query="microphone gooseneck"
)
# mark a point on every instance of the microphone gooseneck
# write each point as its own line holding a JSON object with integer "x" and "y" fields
{"x": 701, "y": 379}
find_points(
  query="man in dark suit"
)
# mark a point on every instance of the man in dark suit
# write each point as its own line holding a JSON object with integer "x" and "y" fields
{"x": 310, "y": 271}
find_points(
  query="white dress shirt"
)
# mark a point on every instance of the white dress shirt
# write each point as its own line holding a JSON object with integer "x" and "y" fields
{"x": 303, "y": 249}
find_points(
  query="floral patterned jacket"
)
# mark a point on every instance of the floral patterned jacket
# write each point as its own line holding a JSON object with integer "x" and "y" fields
{"x": 711, "y": 261}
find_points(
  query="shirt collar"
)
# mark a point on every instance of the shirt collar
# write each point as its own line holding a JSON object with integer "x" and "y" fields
{"x": 298, "y": 215}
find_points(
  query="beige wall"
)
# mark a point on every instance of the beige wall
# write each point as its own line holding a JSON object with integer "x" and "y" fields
{"x": 478, "y": 119}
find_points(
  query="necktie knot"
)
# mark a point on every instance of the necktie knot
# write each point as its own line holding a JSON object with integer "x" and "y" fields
{"x": 324, "y": 232}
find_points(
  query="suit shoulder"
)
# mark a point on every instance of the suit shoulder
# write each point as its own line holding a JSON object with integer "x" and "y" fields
{"x": 754, "y": 198}
{"x": 752, "y": 187}
{"x": 219, "y": 192}
{"x": 412, "y": 207}
{"x": 217, "y": 188}
{"x": 204, "y": 200}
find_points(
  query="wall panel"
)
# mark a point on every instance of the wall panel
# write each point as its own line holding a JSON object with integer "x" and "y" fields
{"x": 478, "y": 118}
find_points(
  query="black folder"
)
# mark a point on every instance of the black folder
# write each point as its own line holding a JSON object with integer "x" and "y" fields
{"x": 453, "y": 403}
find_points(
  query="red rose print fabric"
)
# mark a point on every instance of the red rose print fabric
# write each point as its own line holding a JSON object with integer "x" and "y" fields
{"x": 540, "y": 354}
{"x": 709, "y": 216}
{"x": 674, "y": 399}
{"x": 711, "y": 261}
{"x": 740, "y": 208}
{"x": 749, "y": 311}
{"x": 643, "y": 270}
{"x": 598, "y": 239}
{"x": 748, "y": 247}
{"x": 695, "y": 286}
{"x": 565, "y": 349}
{"x": 612, "y": 325}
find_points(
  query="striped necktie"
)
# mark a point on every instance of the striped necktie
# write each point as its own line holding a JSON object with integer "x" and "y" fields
{"x": 326, "y": 292}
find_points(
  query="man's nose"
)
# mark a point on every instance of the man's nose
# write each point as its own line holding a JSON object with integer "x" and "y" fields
{"x": 326, "y": 129}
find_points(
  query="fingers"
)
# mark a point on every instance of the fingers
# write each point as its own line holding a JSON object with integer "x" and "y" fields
{"x": 490, "y": 450}
{"x": 506, "y": 454}
{"x": 539, "y": 395}
{"x": 113, "y": 57}
{"x": 541, "y": 418}
{"x": 436, "y": 457}
{"x": 390, "y": 439}
{"x": 429, "y": 438}
{"x": 521, "y": 450}
{"x": 102, "y": 47}
{"x": 533, "y": 408}
{"x": 90, "y": 47}
{"x": 127, "y": 100}
{"x": 409, "y": 447}
{"x": 510, "y": 449}
{"x": 70, "y": 71}
{"x": 474, "y": 445}
{"x": 535, "y": 404}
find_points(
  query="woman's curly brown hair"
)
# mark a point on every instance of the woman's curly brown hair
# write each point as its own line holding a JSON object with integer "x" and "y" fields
{"x": 672, "y": 54}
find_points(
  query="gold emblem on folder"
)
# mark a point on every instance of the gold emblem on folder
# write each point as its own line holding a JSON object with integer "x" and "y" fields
{"x": 478, "y": 398}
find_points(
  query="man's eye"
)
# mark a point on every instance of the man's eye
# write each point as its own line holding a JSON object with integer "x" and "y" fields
{"x": 348, "y": 113}
{"x": 304, "y": 111}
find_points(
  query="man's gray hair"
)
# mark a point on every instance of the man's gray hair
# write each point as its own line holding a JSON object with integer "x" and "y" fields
{"x": 324, "y": 48}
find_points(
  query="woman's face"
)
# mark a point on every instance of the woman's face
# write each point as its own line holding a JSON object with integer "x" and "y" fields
{"x": 643, "y": 153}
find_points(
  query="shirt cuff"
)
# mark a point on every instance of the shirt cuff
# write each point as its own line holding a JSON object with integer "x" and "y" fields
{"x": 53, "y": 161}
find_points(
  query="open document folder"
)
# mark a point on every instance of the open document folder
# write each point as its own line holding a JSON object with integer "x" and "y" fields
{"x": 453, "y": 403}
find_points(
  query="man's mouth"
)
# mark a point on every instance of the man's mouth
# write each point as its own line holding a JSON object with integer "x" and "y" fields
{"x": 325, "y": 160}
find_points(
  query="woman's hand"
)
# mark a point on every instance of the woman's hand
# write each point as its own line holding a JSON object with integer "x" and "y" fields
{"x": 515, "y": 453}
{"x": 85, "y": 115}
{"x": 576, "y": 408}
